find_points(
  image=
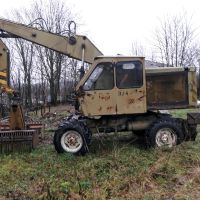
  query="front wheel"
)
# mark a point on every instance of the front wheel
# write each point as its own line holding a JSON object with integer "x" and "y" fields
{"x": 71, "y": 141}
{"x": 72, "y": 137}
{"x": 165, "y": 133}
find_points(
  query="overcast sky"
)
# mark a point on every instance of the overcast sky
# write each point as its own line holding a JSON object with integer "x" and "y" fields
{"x": 113, "y": 25}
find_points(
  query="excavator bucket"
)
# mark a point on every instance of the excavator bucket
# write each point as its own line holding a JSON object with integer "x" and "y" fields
{"x": 15, "y": 133}
{"x": 19, "y": 140}
{"x": 20, "y": 136}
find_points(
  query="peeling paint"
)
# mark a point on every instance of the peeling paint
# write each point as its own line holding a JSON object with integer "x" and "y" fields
{"x": 131, "y": 101}
{"x": 82, "y": 101}
{"x": 100, "y": 109}
{"x": 104, "y": 97}
{"x": 109, "y": 108}
{"x": 140, "y": 98}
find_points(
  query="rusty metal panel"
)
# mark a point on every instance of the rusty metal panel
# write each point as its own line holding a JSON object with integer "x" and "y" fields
{"x": 99, "y": 102}
{"x": 192, "y": 88}
{"x": 131, "y": 101}
{"x": 167, "y": 90}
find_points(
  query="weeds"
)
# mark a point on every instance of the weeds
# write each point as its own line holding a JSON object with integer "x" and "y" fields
{"x": 112, "y": 170}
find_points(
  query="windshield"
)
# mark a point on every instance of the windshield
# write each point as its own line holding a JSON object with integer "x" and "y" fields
{"x": 102, "y": 78}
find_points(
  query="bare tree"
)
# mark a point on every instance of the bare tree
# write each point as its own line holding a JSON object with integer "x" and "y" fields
{"x": 22, "y": 53}
{"x": 175, "y": 41}
{"x": 53, "y": 17}
{"x": 30, "y": 60}
{"x": 137, "y": 49}
{"x": 140, "y": 50}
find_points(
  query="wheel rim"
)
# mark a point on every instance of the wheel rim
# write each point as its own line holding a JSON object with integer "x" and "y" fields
{"x": 71, "y": 141}
{"x": 166, "y": 137}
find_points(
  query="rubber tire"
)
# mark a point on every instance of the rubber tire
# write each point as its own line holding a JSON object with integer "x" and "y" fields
{"x": 174, "y": 124}
{"x": 75, "y": 125}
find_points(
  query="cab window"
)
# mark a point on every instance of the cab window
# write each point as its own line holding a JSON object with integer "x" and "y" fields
{"x": 102, "y": 78}
{"x": 129, "y": 74}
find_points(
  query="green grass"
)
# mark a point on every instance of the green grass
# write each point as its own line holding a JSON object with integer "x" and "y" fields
{"x": 182, "y": 113}
{"x": 112, "y": 170}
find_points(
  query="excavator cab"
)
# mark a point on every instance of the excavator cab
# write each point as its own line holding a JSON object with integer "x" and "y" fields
{"x": 114, "y": 86}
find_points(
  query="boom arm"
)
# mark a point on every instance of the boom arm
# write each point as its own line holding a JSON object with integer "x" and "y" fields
{"x": 82, "y": 49}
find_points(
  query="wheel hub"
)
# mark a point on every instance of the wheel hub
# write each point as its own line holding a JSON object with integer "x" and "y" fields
{"x": 166, "y": 137}
{"x": 71, "y": 141}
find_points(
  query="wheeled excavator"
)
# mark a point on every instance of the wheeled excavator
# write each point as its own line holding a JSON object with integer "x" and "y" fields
{"x": 117, "y": 94}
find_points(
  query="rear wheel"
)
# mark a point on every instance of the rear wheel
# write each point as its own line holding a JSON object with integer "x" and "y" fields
{"x": 165, "y": 133}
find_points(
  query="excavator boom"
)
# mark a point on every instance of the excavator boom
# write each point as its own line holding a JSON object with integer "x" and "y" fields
{"x": 80, "y": 48}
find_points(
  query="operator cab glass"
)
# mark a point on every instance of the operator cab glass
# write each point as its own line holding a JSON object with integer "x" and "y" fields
{"x": 102, "y": 78}
{"x": 129, "y": 74}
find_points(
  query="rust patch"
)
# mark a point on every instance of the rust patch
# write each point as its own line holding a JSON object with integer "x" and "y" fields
{"x": 100, "y": 109}
{"x": 131, "y": 101}
{"x": 140, "y": 98}
{"x": 104, "y": 97}
{"x": 109, "y": 108}
{"x": 82, "y": 101}
{"x": 90, "y": 95}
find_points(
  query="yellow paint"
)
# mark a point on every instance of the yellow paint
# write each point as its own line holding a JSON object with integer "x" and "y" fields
{"x": 3, "y": 73}
{"x": 3, "y": 82}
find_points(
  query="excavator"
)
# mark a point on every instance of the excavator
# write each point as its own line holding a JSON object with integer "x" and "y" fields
{"x": 118, "y": 94}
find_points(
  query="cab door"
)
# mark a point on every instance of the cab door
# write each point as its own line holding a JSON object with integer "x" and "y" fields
{"x": 99, "y": 92}
{"x": 131, "y": 89}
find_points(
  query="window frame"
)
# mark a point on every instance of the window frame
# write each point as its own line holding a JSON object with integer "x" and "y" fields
{"x": 113, "y": 68}
{"x": 142, "y": 76}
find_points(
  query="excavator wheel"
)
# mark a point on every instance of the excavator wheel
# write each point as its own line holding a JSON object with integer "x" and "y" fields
{"x": 73, "y": 137}
{"x": 164, "y": 133}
